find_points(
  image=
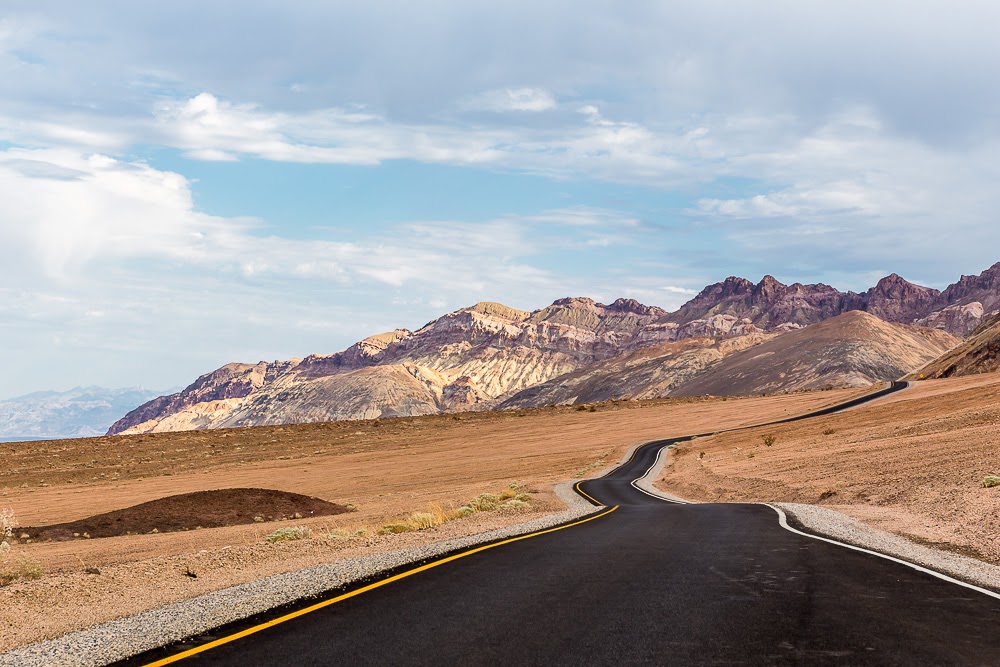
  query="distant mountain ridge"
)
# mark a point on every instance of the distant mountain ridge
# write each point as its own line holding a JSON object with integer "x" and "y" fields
{"x": 490, "y": 355}
{"x": 770, "y": 304}
{"x": 79, "y": 412}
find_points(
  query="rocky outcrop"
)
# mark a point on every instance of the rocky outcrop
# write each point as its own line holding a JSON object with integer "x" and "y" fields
{"x": 984, "y": 288}
{"x": 980, "y": 353}
{"x": 959, "y": 320}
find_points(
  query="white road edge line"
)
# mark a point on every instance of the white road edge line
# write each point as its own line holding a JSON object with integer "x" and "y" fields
{"x": 783, "y": 522}
{"x": 656, "y": 461}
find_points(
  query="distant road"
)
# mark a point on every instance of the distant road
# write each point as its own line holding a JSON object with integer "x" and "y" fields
{"x": 651, "y": 582}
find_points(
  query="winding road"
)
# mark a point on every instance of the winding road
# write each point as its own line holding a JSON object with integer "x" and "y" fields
{"x": 643, "y": 581}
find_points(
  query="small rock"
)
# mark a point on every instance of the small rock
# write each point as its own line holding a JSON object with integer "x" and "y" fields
{"x": 92, "y": 570}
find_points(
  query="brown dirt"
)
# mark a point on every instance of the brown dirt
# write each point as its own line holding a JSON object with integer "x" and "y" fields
{"x": 385, "y": 468}
{"x": 188, "y": 511}
{"x": 911, "y": 464}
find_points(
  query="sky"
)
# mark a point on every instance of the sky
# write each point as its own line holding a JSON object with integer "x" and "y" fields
{"x": 187, "y": 184}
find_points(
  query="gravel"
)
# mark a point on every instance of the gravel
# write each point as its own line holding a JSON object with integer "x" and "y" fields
{"x": 123, "y": 638}
{"x": 837, "y": 526}
{"x": 129, "y": 636}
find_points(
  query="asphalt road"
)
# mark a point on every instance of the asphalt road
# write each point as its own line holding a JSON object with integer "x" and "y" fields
{"x": 651, "y": 582}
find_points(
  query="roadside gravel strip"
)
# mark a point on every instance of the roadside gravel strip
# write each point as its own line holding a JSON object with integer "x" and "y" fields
{"x": 843, "y": 528}
{"x": 840, "y": 527}
{"x": 117, "y": 640}
{"x": 129, "y": 636}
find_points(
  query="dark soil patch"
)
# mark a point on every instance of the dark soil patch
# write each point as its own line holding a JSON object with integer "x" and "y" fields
{"x": 188, "y": 511}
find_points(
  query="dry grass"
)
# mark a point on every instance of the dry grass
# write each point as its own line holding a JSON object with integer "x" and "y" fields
{"x": 14, "y": 568}
{"x": 289, "y": 534}
{"x": 509, "y": 499}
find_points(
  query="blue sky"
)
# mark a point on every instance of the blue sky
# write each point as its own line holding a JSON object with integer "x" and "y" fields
{"x": 186, "y": 184}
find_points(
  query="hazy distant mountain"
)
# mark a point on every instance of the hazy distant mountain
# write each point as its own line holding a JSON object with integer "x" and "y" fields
{"x": 79, "y": 412}
{"x": 576, "y": 350}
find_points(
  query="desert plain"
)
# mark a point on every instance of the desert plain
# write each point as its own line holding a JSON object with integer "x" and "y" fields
{"x": 910, "y": 464}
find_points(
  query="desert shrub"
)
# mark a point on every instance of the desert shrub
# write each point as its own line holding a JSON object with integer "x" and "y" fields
{"x": 392, "y": 528}
{"x": 485, "y": 502}
{"x": 289, "y": 534}
{"x": 6, "y": 532}
{"x": 423, "y": 520}
{"x": 462, "y": 511}
{"x": 513, "y": 504}
{"x": 338, "y": 534}
{"x": 828, "y": 431}
{"x": 991, "y": 481}
{"x": 768, "y": 439}
{"x": 22, "y": 568}
{"x": 507, "y": 494}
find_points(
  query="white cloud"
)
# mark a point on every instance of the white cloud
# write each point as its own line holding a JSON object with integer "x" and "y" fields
{"x": 799, "y": 154}
{"x": 511, "y": 99}
{"x": 585, "y": 216}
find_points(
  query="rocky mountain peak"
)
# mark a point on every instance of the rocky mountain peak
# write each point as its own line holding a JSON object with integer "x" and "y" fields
{"x": 896, "y": 299}
{"x": 768, "y": 289}
{"x": 984, "y": 288}
{"x": 494, "y": 309}
{"x": 635, "y": 307}
{"x": 582, "y": 302}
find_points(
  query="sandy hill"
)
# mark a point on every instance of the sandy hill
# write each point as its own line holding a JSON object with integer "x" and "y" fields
{"x": 980, "y": 353}
{"x": 852, "y": 350}
{"x": 653, "y": 372}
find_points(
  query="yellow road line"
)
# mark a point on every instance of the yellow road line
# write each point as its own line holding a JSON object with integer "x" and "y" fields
{"x": 365, "y": 589}
{"x": 585, "y": 494}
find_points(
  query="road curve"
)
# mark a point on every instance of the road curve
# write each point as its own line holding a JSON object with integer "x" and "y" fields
{"x": 649, "y": 582}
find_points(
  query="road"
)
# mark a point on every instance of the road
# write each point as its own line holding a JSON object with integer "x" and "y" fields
{"x": 650, "y": 582}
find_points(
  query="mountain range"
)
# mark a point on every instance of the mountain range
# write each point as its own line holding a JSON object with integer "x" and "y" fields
{"x": 734, "y": 337}
{"x": 78, "y": 413}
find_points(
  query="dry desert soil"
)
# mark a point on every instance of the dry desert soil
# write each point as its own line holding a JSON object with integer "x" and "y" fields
{"x": 912, "y": 464}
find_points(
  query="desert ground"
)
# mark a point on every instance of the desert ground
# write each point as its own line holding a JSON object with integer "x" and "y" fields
{"x": 383, "y": 469}
{"x": 912, "y": 464}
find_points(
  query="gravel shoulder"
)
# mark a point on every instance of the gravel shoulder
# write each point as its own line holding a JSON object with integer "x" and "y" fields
{"x": 411, "y": 462}
{"x": 135, "y": 634}
{"x": 838, "y": 526}
{"x": 841, "y": 527}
